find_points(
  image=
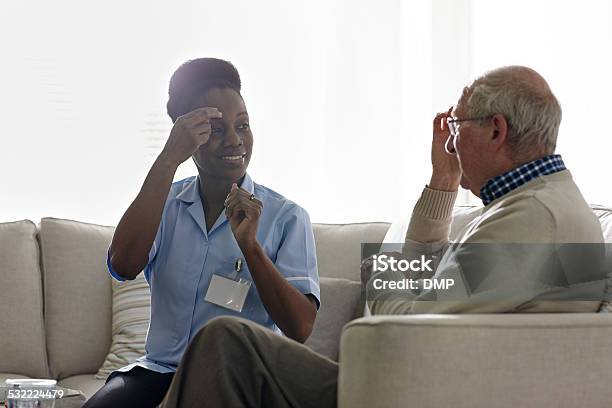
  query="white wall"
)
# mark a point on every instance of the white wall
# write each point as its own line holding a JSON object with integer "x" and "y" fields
{"x": 341, "y": 93}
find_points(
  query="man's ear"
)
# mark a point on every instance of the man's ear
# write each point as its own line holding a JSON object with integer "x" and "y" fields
{"x": 500, "y": 131}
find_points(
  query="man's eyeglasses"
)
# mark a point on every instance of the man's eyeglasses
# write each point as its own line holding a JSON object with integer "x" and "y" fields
{"x": 453, "y": 124}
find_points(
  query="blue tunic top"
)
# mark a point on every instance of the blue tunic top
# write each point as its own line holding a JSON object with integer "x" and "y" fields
{"x": 185, "y": 255}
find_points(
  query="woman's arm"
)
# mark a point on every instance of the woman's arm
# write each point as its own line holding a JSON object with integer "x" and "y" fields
{"x": 292, "y": 311}
{"x": 137, "y": 228}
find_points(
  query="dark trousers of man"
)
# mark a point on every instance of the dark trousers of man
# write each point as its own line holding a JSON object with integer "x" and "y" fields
{"x": 235, "y": 363}
{"x": 138, "y": 388}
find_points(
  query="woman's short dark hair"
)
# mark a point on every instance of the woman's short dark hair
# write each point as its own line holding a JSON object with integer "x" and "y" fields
{"x": 196, "y": 77}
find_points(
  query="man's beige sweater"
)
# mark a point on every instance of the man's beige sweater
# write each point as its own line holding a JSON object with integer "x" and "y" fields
{"x": 547, "y": 210}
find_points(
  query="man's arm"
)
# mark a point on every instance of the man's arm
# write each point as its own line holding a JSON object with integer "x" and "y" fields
{"x": 429, "y": 227}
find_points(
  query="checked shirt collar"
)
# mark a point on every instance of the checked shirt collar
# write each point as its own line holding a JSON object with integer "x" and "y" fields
{"x": 504, "y": 183}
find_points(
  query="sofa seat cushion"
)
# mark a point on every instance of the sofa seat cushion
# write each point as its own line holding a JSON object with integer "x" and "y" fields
{"x": 340, "y": 303}
{"x": 77, "y": 295}
{"x": 22, "y": 342}
{"x": 86, "y": 383}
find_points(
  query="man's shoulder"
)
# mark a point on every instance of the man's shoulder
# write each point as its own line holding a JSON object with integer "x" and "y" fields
{"x": 519, "y": 218}
{"x": 549, "y": 209}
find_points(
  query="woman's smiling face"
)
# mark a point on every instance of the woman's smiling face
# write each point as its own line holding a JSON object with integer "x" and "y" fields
{"x": 227, "y": 153}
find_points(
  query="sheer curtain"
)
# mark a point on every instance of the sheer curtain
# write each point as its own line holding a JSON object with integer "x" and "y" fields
{"x": 341, "y": 94}
{"x": 568, "y": 42}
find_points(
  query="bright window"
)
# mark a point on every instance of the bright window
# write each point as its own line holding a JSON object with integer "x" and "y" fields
{"x": 341, "y": 93}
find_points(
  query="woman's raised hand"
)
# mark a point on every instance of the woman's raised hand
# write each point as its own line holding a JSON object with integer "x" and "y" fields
{"x": 243, "y": 211}
{"x": 189, "y": 132}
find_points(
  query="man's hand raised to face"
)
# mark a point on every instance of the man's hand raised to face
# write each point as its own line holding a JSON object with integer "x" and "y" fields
{"x": 446, "y": 173}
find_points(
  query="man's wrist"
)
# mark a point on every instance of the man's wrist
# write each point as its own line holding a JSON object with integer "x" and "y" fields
{"x": 444, "y": 182}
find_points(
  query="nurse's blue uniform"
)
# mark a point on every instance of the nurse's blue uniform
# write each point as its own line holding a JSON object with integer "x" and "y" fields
{"x": 185, "y": 255}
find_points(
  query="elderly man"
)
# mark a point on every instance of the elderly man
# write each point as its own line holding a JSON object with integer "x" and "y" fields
{"x": 498, "y": 142}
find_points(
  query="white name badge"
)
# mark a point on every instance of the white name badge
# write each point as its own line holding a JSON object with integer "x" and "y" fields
{"x": 228, "y": 293}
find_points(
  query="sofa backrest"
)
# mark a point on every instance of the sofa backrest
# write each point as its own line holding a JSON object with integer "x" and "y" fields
{"x": 78, "y": 294}
{"x": 78, "y": 301}
{"x": 22, "y": 335}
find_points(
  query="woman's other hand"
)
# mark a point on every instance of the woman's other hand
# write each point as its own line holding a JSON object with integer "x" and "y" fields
{"x": 189, "y": 132}
{"x": 243, "y": 212}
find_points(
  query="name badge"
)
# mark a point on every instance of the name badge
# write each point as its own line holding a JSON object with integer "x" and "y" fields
{"x": 228, "y": 293}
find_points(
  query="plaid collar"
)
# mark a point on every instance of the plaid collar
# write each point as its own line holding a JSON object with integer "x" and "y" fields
{"x": 505, "y": 183}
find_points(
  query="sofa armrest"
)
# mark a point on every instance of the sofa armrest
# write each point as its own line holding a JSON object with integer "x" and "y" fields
{"x": 495, "y": 360}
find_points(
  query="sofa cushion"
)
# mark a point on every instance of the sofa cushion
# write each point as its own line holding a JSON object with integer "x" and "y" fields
{"x": 131, "y": 314}
{"x": 339, "y": 247}
{"x": 22, "y": 341}
{"x": 340, "y": 303}
{"x": 77, "y": 295}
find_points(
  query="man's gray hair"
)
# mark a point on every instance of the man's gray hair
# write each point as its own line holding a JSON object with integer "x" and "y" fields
{"x": 529, "y": 106}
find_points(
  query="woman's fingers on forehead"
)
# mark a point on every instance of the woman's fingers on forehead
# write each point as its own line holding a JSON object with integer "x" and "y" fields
{"x": 205, "y": 112}
{"x": 200, "y": 122}
{"x": 212, "y": 112}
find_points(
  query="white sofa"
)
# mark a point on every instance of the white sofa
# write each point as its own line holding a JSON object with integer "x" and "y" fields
{"x": 56, "y": 307}
{"x": 467, "y": 361}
